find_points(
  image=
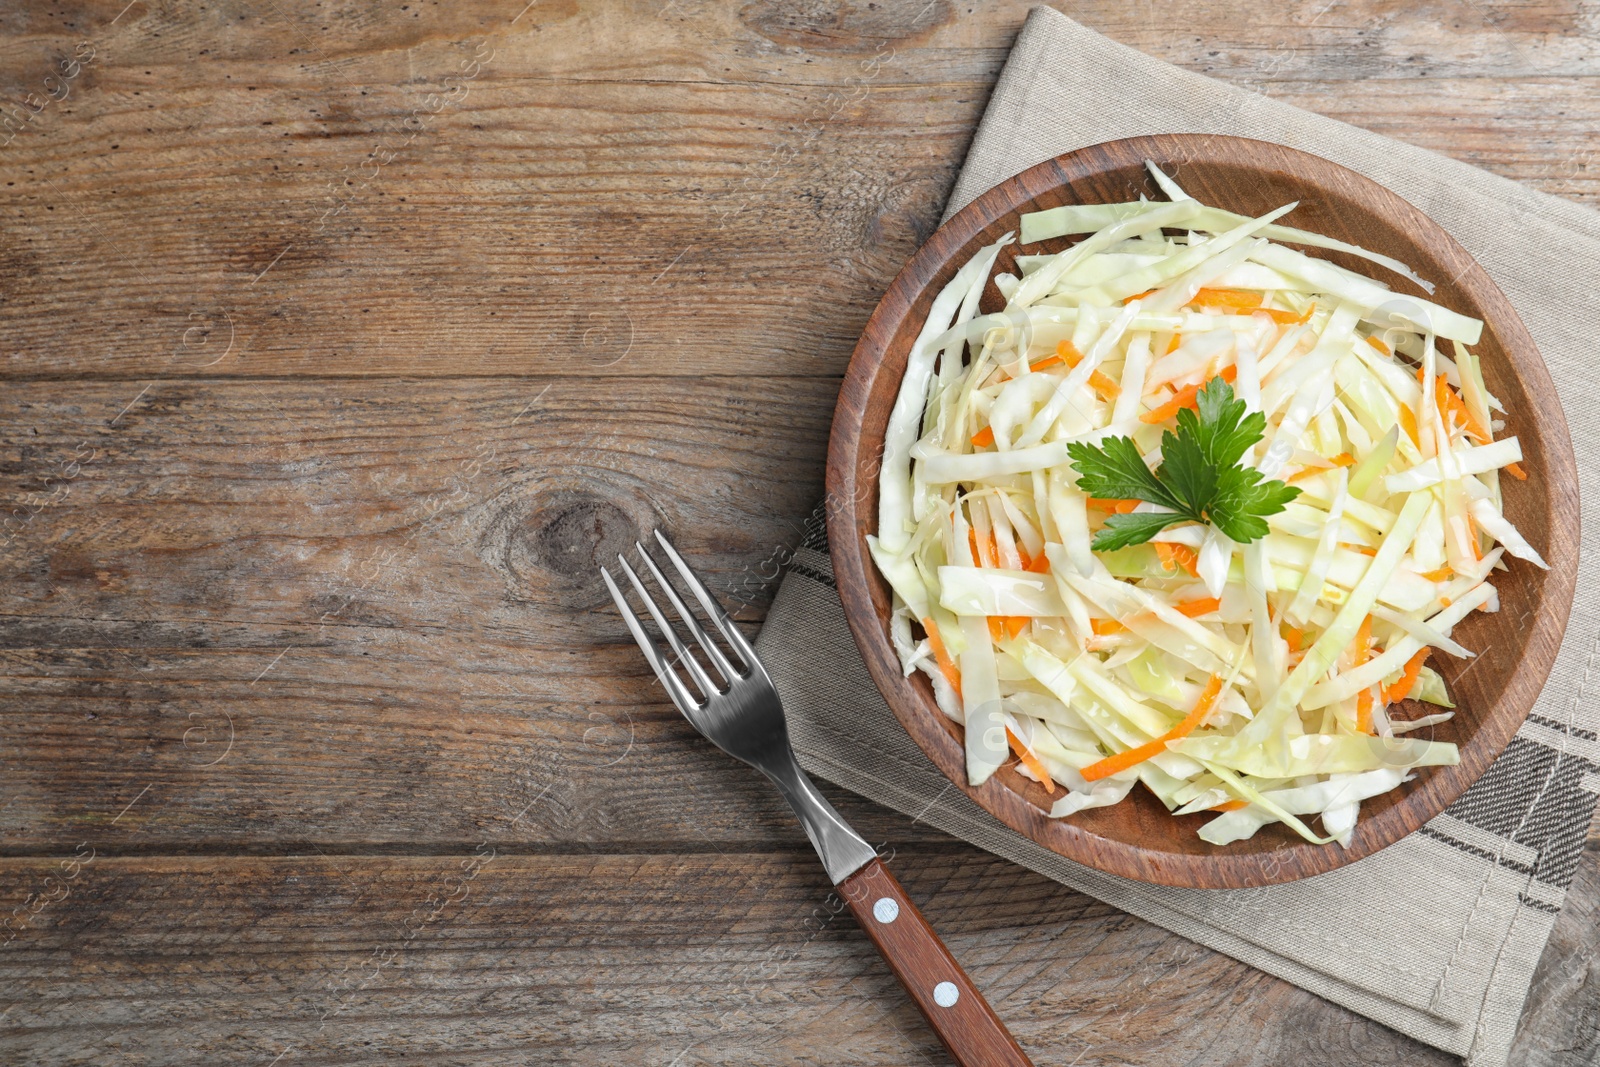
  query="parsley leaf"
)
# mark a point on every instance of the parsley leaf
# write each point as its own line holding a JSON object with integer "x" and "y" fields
{"x": 1120, "y": 531}
{"x": 1117, "y": 472}
{"x": 1242, "y": 498}
{"x": 1199, "y": 480}
{"x": 1223, "y": 429}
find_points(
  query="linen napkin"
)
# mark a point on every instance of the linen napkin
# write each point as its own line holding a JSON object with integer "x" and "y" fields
{"x": 1473, "y": 895}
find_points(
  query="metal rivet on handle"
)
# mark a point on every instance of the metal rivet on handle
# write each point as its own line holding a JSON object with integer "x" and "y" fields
{"x": 885, "y": 910}
{"x": 945, "y": 994}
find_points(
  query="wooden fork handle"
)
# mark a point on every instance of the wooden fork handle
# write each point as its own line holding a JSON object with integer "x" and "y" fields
{"x": 952, "y": 1005}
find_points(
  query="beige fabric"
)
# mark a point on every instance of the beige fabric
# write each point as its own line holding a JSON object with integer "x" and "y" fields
{"x": 1438, "y": 935}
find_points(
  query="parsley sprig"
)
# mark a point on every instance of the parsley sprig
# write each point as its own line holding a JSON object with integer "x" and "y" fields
{"x": 1200, "y": 478}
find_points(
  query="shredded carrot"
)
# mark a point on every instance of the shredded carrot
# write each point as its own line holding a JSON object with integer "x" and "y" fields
{"x": 1173, "y": 556}
{"x": 992, "y": 559}
{"x": 1472, "y": 537}
{"x": 1123, "y": 760}
{"x": 1440, "y": 575}
{"x": 1137, "y": 296}
{"x": 1203, "y": 606}
{"x": 1105, "y": 385}
{"x": 1105, "y": 627}
{"x": 1358, "y": 647}
{"x": 1358, "y": 656}
{"x": 1227, "y": 299}
{"x": 1447, "y": 400}
{"x": 1068, "y": 353}
{"x": 1172, "y": 345}
{"x": 1039, "y": 564}
{"x": 1364, "y": 711}
{"x": 1364, "y": 550}
{"x": 1046, "y": 363}
{"x": 983, "y": 438}
{"x": 1408, "y": 678}
{"x": 1408, "y": 423}
{"x": 1295, "y": 636}
{"x": 1287, "y": 318}
{"x": 1184, "y": 398}
{"x": 941, "y": 655}
{"x": 1445, "y": 602}
{"x": 1116, "y": 507}
{"x": 1343, "y": 459}
{"x": 1030, "y": 761}
{"x": 1380, "y": 345}
{"x": 1006, "y": 627}
{"x": 1230, "y": 805}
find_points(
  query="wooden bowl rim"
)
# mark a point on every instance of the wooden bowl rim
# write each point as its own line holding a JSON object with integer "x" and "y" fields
{"x": 854, "y": 573}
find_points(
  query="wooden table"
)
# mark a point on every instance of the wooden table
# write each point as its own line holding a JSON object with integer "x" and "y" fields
{"x": 343, "y": 341}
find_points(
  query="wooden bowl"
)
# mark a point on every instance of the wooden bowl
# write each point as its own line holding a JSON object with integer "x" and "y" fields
{"x": 1516, "y": 647}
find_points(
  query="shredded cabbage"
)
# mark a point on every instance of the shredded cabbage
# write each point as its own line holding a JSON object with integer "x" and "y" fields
{"x": 1265, "y": 681}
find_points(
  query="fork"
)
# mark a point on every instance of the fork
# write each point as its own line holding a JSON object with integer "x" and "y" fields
{"x": 738, "y": 710}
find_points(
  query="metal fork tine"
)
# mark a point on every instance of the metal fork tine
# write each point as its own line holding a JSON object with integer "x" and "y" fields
{"x": 652, "y": 652}
{"x": 713, "y": 609}
{"x": 728, "y": 670}
{"x": 701, "y": 678}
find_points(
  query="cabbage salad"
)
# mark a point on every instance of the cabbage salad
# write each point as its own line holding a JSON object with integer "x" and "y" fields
{"x": 1192, "y": 511}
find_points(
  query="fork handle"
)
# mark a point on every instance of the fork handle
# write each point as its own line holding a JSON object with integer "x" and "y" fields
{"x": 942, "y": 991}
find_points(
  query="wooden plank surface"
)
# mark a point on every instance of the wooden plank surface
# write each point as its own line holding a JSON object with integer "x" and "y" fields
{"x": 632, "y": 189}
{"x": 480, "y": 958}
{"x": 341, "y": 341}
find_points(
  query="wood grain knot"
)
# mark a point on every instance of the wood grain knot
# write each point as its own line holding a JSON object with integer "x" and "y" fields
{"x": 547, "y": 539}
{"x": 550, "y": 540}
{"x": 573, "y": 538}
